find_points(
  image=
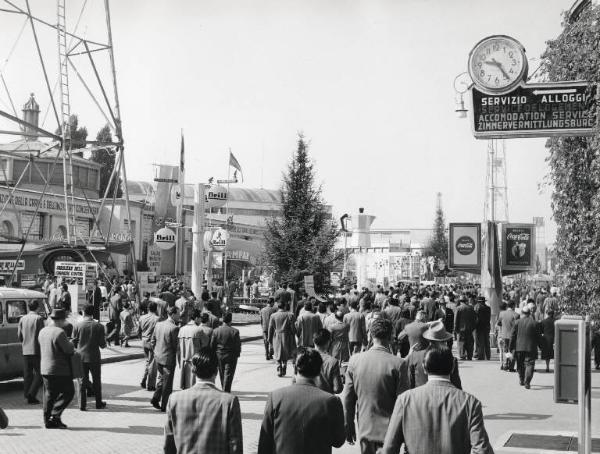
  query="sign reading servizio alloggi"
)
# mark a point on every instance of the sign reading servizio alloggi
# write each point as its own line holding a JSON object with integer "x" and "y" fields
{"x": 535, "y": 110}
{"x": 464, "y": 246}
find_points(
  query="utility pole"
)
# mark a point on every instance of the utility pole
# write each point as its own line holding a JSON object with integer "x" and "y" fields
{"x": 197, "y": 240}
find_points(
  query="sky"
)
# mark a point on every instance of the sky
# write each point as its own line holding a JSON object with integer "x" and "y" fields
{"x": 369, "y": 84}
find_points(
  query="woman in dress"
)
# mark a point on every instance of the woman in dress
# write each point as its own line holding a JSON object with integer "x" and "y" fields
{"x": 547, "y": 332}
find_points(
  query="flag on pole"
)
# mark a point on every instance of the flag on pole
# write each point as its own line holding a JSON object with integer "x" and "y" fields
{"x": 181, "y": 156}
{"x": 235, "y": 164}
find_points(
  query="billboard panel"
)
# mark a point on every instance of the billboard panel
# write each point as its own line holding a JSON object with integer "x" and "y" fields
{"x": 465, "y": 246}
{"x": 518, "y": 247}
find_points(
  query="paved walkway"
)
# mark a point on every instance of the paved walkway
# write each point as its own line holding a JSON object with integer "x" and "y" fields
{"x": 130, "y": 424}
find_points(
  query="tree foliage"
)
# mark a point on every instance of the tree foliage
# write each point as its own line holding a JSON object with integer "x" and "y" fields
{"x": 575, "y": 167}
{"x": 78, "y": 134}
{"x": 438, "y": 243}
{"x": 301, "y": 241}
{"x": 106, "y": 157}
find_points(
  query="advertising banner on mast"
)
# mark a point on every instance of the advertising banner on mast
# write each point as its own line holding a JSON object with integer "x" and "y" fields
{"x": 464, "y": 246}
{"x": 518, "y": 247}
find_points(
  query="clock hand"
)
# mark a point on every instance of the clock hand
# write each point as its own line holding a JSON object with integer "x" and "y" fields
{"x": 499, "y": 65}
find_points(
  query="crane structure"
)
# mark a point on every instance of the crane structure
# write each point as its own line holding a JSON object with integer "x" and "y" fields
{"x": 70, "y": 45}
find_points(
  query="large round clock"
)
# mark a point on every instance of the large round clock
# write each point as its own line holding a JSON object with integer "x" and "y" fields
{"x": 497, "y": 64}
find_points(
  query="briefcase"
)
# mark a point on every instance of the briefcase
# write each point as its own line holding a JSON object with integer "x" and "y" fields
{"x": 76, "y": 365}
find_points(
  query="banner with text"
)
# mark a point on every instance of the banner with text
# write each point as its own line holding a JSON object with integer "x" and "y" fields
{"x": 518, "y": 247}
{"x": 464, "y": 246}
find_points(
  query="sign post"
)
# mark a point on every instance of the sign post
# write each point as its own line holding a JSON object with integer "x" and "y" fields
{"x": 197, "y": 240}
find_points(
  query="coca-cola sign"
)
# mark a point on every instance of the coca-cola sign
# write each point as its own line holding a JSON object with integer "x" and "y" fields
{"x": 518, "y": 247}
{"x": 465, "y": 245}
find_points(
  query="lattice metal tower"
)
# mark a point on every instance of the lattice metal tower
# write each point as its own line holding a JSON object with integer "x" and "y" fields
{"x": 496, "y": 188}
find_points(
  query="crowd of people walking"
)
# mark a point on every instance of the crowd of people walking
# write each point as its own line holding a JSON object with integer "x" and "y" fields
{"x": 381, "y": 358}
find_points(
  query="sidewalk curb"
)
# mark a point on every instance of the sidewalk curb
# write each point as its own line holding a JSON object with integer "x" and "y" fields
{"x": 130, "y": 356}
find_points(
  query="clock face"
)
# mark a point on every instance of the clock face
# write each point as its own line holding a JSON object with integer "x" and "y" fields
{"x": 497, "y": 64}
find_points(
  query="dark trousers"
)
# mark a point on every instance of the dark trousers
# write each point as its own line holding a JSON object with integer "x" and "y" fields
{"x": 115, "y": 335}
{"x": 226, "y": 372}
{"x": 58, "y": 394}
{"x": 268, "y": 346}
{"x": 32, "y": 378}
{"x": 149, "y": 378}
{"x": 164, "y": 387}
{"x": 525, "y": 366}
{"x": 94, "y": 369}
{"x": 465, "y": 344}
{"x": 369, "y": 446}
{"x": 482, "y": 344}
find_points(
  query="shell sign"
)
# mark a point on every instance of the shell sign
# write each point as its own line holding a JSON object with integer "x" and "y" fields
{"x": 216, "y": 196}
{"x": 219, "y": 240}
{"x": 164, "y": 238}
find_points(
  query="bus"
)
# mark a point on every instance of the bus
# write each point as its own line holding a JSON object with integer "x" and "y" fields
{"x": 13, "y": 305}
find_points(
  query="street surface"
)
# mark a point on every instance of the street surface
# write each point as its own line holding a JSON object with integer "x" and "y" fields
{"x": 130, "y": 424}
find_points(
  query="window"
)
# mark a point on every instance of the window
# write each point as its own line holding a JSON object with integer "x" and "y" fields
{"x": 92, "y": 182}
{"x": 15, "y": 310}
{"x": 7, "y": 229}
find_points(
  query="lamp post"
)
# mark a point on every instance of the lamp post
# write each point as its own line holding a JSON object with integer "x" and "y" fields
{"x": 462, "y": 83}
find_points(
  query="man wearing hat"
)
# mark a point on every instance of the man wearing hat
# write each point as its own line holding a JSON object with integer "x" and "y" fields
{"x": 435, "y": 336}
{"x": 524, "y": 342}
{"x": 55, "y": 366}
{"x": 464, "y": 324}
{"x": 482, "y": 329}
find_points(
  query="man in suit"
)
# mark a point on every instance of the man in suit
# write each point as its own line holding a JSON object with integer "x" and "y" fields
{"x": 437, "y": 417}
{"x": 482, "y": 329}
{"x": 293, "y": 297}
{"x": 373, "y": 381}
{"x": 265, "y": 315}
{"x": 147, "y": 323}
{"x": 94, "y": 298}
{"x": 307, "y": 325}
{"x": 28, "y": 331}
{"x": 340, "y": 343}
{"x": 55, "y": 366}
{"x": 329, "y": 379}
{"x": 464, "y": 324}
{"x": 115, "y": 306}
{"x": 357, "y": 332}
{"x": 524, "y": 342}
{"x": 281, "y": 336}
{"x": 428, "y": 306}
{"x": 302, "y": 418}
{"x": 447, "y": 316}
{"x": 203, "y": 418}
{"x": 226, "y": 343}
{"x": 506, "y": 321}
{"x": 165, "y": 345}
{"x": 191, "y": 339}
{"x": 88, "y": 339}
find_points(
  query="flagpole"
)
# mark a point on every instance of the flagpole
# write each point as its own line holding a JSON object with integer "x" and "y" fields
{"x": 180, "y": 230}
{"x": 225, "y": 286}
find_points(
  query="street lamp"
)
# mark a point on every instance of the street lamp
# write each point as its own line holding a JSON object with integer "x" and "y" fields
{"x": 461, "y": 86}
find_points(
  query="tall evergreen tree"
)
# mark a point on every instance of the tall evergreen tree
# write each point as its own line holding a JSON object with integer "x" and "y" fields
{"x": 575, "y": 167}
{"x": 106, "y": 157}
{"x": 301, "y": 241}
{"x": 438, "y": 243}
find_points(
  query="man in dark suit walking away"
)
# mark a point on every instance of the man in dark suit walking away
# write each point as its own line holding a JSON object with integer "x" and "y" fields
{"x": 203, "y": 419}
{"x": 307, "y": 325}
{"x": 115, "y": 306}
{"x": 226, "y": 343}
{"x": 89, "y": 338}
{"x": 357, "y": 332}
{"x": 437, "y": 417}
{"x": 165, "y": 343}
{"x": 302, "y": 418}
{"x": 329, "y": 379}
{"x": 464, "y": 324}
{"x": 373, "y": 381}
{"x": 482, "y": 329}
{"x": 55, "y": 365}
{"x": 265, "y": 316}
{"x": 28, "y": 331}
{"x": 524, "y": 343}
{"x": 148, "y": 322}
